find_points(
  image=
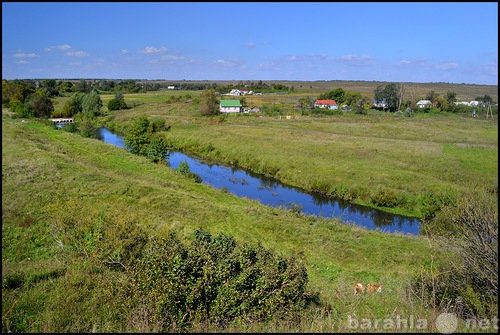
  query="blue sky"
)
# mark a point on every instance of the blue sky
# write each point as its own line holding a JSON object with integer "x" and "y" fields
{"x": 381, "y": 41}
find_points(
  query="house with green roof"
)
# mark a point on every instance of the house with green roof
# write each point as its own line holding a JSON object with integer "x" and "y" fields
{"x": 230, "y": 106}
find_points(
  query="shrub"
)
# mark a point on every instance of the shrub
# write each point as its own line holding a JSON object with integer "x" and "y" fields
{"x": 470, "y": 281}
{"x": 384, "y": 197}
{"x": 157, "y": 150}
{"x": 115, "y": 104}
{"x": 215, "y": 280}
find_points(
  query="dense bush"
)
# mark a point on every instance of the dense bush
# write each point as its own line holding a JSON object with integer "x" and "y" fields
{"x": 470, "y": 282}
{"x": 115, "y": 104}
{"x": 214, "y": 280}
{"x": 157, "y": 149}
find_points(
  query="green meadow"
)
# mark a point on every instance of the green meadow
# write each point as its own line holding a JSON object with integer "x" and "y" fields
{"x": 404, "y": 165}
{"x": 70, "y": 205}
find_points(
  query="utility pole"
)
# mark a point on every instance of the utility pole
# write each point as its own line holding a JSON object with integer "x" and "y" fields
{"x": 489, "y": 111}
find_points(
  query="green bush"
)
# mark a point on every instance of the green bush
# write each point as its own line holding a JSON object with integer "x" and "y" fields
{"x": 157, "y": 150}
{"x": 384, "y": 197}
{"x": 115, "y": 104}
{"x": 184, "y": 169}
{"x": 215, "y": 280}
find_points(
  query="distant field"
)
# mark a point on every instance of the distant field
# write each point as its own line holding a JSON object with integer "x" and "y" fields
{"x": 465, "y": 92}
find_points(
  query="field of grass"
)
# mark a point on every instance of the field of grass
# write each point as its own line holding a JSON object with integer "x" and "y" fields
{"x": 67, "y": 199}
{"x": 418, "y": 91}
{"x": 398, "y": 164}
{"x": 58, "y": 188}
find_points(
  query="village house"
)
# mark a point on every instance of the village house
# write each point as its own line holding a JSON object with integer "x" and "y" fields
{"x": 238, "y": 92}
{"x": 254, "y": 109}
{"x": 379, "y": 104}
{"x": 424, "y": 103}
{"x": 330, "y": 104}
{"x": 230, "y": 106}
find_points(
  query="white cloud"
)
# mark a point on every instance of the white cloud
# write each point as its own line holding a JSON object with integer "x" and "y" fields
{"x": 124, "y": 52}
{"x": 24, "y": 55}
{"x": 356, "y": 60}
{"x": 171, "y": 57}
{"x": 447, "y": 66}
{"x": 152, "y": 50}
{"x": 22, "y": 62}
{"x": 250, "y": 44}
{"x": 58, "y": 47}
{"x": 77, "y": 54}
{"x": 223, "y": 62}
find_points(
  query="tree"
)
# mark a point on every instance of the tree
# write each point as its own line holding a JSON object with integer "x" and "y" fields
{"x": 15, "y": 92}
{"x": 157, "y": 149}
{"x": 73, "y": 105}
{"x": 137, "y": 135}
{"x": 431, "y": 96}
{"x": 451, "y": 97}
{"x": 486, "y": 99}
{"x": 38, "y": 105}
{"x": 305, "y": 103}
{"x": 50, "y": 86}
{"x": 91, "y": 104}
{"x": 83, "y": 86}
{"x": 87, "y": 128}
{"x": 209, "y": 103}
{"x": 117, "y": 103}
{"x": 337, "y": 95}
{"x": 391, "y": 94}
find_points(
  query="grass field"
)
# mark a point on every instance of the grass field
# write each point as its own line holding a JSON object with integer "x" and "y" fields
{"x": 66, "y": 199}
{"x": 418, "y": 91}
{"x": 397, "y": 164}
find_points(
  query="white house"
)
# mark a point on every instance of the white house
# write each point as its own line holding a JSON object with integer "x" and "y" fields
{"x": 330, "y": 104}
{"x": 424, "y": 103}
{"x": 230, "y": 106}
{"x": 379, "y": 103}
{"x": 171, "y": 87}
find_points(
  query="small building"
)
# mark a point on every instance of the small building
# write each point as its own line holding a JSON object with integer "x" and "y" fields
{"x": 170, "y": 87}
{"x": 379, "y": 103}
{"x": 330, "y": 104}
{"x": 346, "y": 108}
{"x": 424, "y": 103}
{"x": 230, "y": 106}
{"x": 253, "y": 109}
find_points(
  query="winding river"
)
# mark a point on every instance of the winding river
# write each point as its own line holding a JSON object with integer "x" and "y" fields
{"x": 272, "y": 193}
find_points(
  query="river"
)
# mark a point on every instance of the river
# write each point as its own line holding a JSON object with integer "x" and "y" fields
{"x": 272, "y": 193}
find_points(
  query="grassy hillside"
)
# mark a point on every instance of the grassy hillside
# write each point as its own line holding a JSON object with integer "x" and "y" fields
{"x": 58, "y": 189}
{"x": 72, "y": 205}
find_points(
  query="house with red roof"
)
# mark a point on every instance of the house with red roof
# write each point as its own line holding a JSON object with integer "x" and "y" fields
{"x": 330, "y": 104}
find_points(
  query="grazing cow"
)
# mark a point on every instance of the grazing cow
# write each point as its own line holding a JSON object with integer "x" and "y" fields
{"x": 370, "y": 288}
{"x": 359, "y": 288}
{"x": 373, "y": 288}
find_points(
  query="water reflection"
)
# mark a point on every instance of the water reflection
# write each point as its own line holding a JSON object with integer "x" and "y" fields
{"x": 272, "y": 193}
